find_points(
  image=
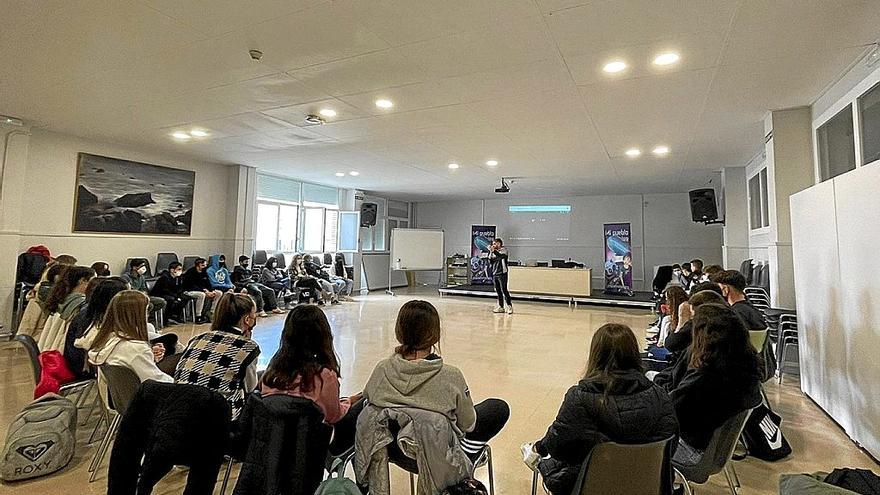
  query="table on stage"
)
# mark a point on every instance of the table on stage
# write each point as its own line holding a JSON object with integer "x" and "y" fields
{"x": 570, "y": 282}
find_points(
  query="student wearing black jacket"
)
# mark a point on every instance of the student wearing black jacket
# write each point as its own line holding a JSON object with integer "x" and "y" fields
{"x": 715, "y": 380}
{"x": 733, "y": 286}
{"x": 243, "y": 279}
{"x": 614, "y": 402}
{"x": 498, "y": 266}
{"x": 197, "y": 285}
{"x": 169, "y": 287}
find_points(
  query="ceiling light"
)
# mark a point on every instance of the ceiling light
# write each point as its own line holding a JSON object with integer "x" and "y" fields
{"x": 633, "y": 152}
{"x": 339, "y": 174}
{"x": 327, "y": 112}
{"x": 614, "y": 67}
{"x": 492, "y": 163}
{"x": 384, "y": 103}
{"x": 183, "y": 136}
{"x": 198, "y": 133}
{"x": 667, "y": 58}
{"x": 354, "y": 174}
{"x": 661, "y": 150}
{"x": 453, "y": 166}
{"x": 11, "y": 120}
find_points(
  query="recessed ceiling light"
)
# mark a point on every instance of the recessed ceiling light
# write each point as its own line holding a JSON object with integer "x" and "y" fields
{"x": 614, "y": 67}
{"x": 492, "y": 163}
{"x": 354, "y": 174}
{"x": 384, "y": 103}
{"x": 327, "y": 112}
{"x": 183, "y": 136}
{"x": 339, "y": 174}
{"x": 667, "y": 58}
{"x": 198, "y": 133}
{"x": 633, "y": 152}
{"x": 661, "y": 150}
{"x": 453, "y": 166}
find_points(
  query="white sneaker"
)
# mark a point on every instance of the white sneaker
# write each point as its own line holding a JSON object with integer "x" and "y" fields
{"x": 510, "y": 310}
{"x": 498, "y": 309}
{"x": 530, "y": 457}
{"x": 263, "y": 314}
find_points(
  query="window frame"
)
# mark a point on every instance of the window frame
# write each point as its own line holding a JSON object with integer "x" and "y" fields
{"x": 277, "y": 204}
{"x": 762, "y": 201}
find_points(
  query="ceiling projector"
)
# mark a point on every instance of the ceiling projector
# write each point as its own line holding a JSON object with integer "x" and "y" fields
{"x": 504, "y": 189}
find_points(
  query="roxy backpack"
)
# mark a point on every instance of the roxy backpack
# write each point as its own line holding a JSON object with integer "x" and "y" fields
{"x": 40, "y": 440}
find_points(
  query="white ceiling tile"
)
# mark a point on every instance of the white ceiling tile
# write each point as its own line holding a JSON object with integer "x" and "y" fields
{"x": 370, "y": 72}
{"x": 296, "y": 114}
{"x": 417, "y": 96}
{"x": 540, "y": 76}
{"x": 216, "y": 17}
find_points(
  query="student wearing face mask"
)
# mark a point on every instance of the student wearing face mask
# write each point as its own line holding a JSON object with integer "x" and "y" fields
{"x": 243, "y": 278}
{"x": 218, "y": 274}
{"x": 169, "y": 287}
{"x": 136, "y": 278}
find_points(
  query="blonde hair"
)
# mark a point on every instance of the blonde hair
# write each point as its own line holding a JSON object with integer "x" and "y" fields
{"x": 126, "y": 318}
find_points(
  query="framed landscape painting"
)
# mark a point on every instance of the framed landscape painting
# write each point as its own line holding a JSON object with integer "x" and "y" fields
{"x": 123, "y": 196}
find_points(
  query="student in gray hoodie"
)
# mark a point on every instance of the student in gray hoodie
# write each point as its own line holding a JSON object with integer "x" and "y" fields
{"x": 416, "y": 376}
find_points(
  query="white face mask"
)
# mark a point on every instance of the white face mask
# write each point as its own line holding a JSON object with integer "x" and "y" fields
{"x": 175, "y": 273}
{"x": 142, "y": 270}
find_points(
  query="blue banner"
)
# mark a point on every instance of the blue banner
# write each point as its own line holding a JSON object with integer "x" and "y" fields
{"x": 481, "y": 239}
{"x": 618, "y": 259}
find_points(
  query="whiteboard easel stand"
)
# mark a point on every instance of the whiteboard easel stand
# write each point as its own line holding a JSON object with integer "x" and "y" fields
{"x": 392, "y": 262}
{"x": 390, "y": 290}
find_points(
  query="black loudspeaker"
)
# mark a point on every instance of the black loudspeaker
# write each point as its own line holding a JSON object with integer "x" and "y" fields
{"x": 703, "y": 207}
{"x": 368, "y": 214}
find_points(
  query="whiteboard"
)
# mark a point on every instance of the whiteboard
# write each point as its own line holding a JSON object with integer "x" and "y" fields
{"x": 417, "y": 249}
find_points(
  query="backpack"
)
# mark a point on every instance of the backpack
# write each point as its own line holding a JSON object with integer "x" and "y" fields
{"x": 41, "y": 439}
{"x": 767, "y": 361}
{"x": 339, "y": 484}
{"x": 468, "y": 486}
{"x": 858, "y": 480}
{"x": 763, "y": 436}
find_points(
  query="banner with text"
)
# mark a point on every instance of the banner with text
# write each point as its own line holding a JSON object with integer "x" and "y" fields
{"x": 481, "y": 239}
{"x": 618, "y": 259}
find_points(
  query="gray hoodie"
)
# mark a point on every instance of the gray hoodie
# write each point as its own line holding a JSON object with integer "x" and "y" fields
{"x": 427, "y": 384}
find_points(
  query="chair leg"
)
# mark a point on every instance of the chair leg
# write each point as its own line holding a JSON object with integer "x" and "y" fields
{"x": 101, "y": 419}
{"x": 105, "y": 446}
{"x": 684, "y": 481}
{"x": 412, "y": 484}
{"x": 735, "y": 476}
{"x": 491, "y": 472}
{"x": 226, "y": 477}
{"x": 535, "y": 483}
{"x": 782, "y": 362}
{"x": 730, "y": 483}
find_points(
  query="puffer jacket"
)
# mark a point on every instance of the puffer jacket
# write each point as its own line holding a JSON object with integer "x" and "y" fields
{"x": 634, "y": 411}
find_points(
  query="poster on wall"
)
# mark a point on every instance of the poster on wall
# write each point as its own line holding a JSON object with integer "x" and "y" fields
{"x": 618, "y": 259}
{"x": 481, "y": 239}
{"x": 123, "y": 196}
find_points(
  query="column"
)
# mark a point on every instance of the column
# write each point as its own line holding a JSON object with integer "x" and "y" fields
{"x": 736, "y": 218}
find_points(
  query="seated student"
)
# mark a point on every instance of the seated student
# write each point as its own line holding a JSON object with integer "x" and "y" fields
{"x": 274, "y": 277}
{"x": 218, "y": 274}
{"x": 98, "y": 295}
{"x": 122, "y": 339}
{"x": 697, "y": 271}
{"x": 675, "y": 296}
{"x": 306, "y": 366}
{"x": 686, "y": 276}
{"x": 197, "y": 285}
{"x": 225, "y": 358}
{"x": 614, "y": 402}
{"x": 680, "y": 336}
{"x": 710, "y": 271}
{"x": 35, "y": 312}
{"x": 323, "y": 278}
{"x": 733, "y": 285}
{"x": 68, "y": 294}
{"x": 340, "y": 272}
{"x": 169, "y": 286}
{"x": 243, "y": 279}
{"x": 716, "y": 379}
{"x": 137, "y": 268}
{"x": 301, "y": 278}
{"x": 102, "y": 269}
{"x": 416, "y": 376}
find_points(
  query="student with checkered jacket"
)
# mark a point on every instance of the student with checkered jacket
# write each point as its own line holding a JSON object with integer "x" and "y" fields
{"x": 225, "y": 358}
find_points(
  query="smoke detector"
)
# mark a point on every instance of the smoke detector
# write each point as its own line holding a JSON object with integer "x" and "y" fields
{"x": 256, "y": 55}
{"x": 314, "y": 119}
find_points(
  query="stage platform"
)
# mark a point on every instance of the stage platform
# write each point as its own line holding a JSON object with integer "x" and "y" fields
{"x": 638, "y": 300}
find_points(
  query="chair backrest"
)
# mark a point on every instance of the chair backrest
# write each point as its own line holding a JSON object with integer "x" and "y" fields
{"x": 765, "y": 277}
{"x": 122, "y": 384}
{"x": 746, "y": 269}
{"x": 282, "y": 263}
{"x": 260, "y": 257}
{"x": 165, "y": 259}
{"x": 293, "y": 427}
{"x": 632, "y": 469}
{"x": 127, "y": 267}
{"x": 720, "y": 448}
{"x": 328, "y": 259}
{"x": 189, "y": 261}
{"x": 30, "y": 345}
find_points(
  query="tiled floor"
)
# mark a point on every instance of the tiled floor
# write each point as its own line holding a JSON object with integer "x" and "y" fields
{"x": 529, "y": 359}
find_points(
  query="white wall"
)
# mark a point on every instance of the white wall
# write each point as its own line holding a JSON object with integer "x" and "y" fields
{"x": 662, "y": 229}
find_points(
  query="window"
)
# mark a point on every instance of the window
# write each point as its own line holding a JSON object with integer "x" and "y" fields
{"x": 869, "y": 116}
{"x": 267, "y": 226}
{"x": 759, "y": 211}
{"x": 331, "y": 229}
{"x": 837, "y": 148}
{"x": 313, "y": 232}
{"x": 288, "y": 220}
{"x": 349, "y": 228}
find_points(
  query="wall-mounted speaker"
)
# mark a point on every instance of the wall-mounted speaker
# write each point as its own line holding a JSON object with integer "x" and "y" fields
{"x": 368, "y": 214}
{"x": 703, "y": 206}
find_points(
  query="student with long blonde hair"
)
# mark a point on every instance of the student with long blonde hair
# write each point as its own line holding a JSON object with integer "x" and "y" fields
{"x": 122, "y": 338}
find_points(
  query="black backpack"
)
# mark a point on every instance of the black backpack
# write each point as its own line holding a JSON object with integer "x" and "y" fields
{"x": 763, "y": 435}
{"x": 858, "y": 480}
{"x": 30, "y": 267}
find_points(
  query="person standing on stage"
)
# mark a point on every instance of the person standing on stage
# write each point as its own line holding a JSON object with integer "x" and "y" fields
{"x": 498, "y": 266}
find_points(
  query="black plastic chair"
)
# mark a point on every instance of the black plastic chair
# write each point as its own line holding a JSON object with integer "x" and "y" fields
{"x": 189, "y": 262}
{"x": 260, "y": 257}
{"x": 122, "y": 384}
{"x": 746, "y": 269}
{"x": 165, "y": 259}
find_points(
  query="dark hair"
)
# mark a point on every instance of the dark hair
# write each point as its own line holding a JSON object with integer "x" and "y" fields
{"x": 697, "y": 265}
{"x": 242, "y": 258}
{"x": 91, "y": 287}
{"x": 65, "y": 259}
{"x": 676, "y": 266}
{"x": 306, "y": 348}
{"x": 199, "y": 261}
{"x": 712, "y": 286}
{"x": 102, "y": 269}
{"x": 54, "y": 271}
{"x": 417, "y": 327}
{"x": 731, "y": 278}
{"x": 702, "y": 297}
{"x": 173, "y": 265}
{"x": 675, "y": 295}
{"x": 499, "y": 240}
{"x": 272, "y": 262}
{"x": 101, "y": 296}
{"x": 713, "y": 269}
{"x": 721, "y": 342}
{"x": 230, "y": 310}
{"x": 613, "y": 348}
{"x": 68, "y": 279}
{"x": 137, "y": 262}
{"x": 686, "y": 266}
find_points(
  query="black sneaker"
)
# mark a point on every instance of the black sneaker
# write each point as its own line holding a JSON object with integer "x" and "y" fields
{"x": 201, "y": 320}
